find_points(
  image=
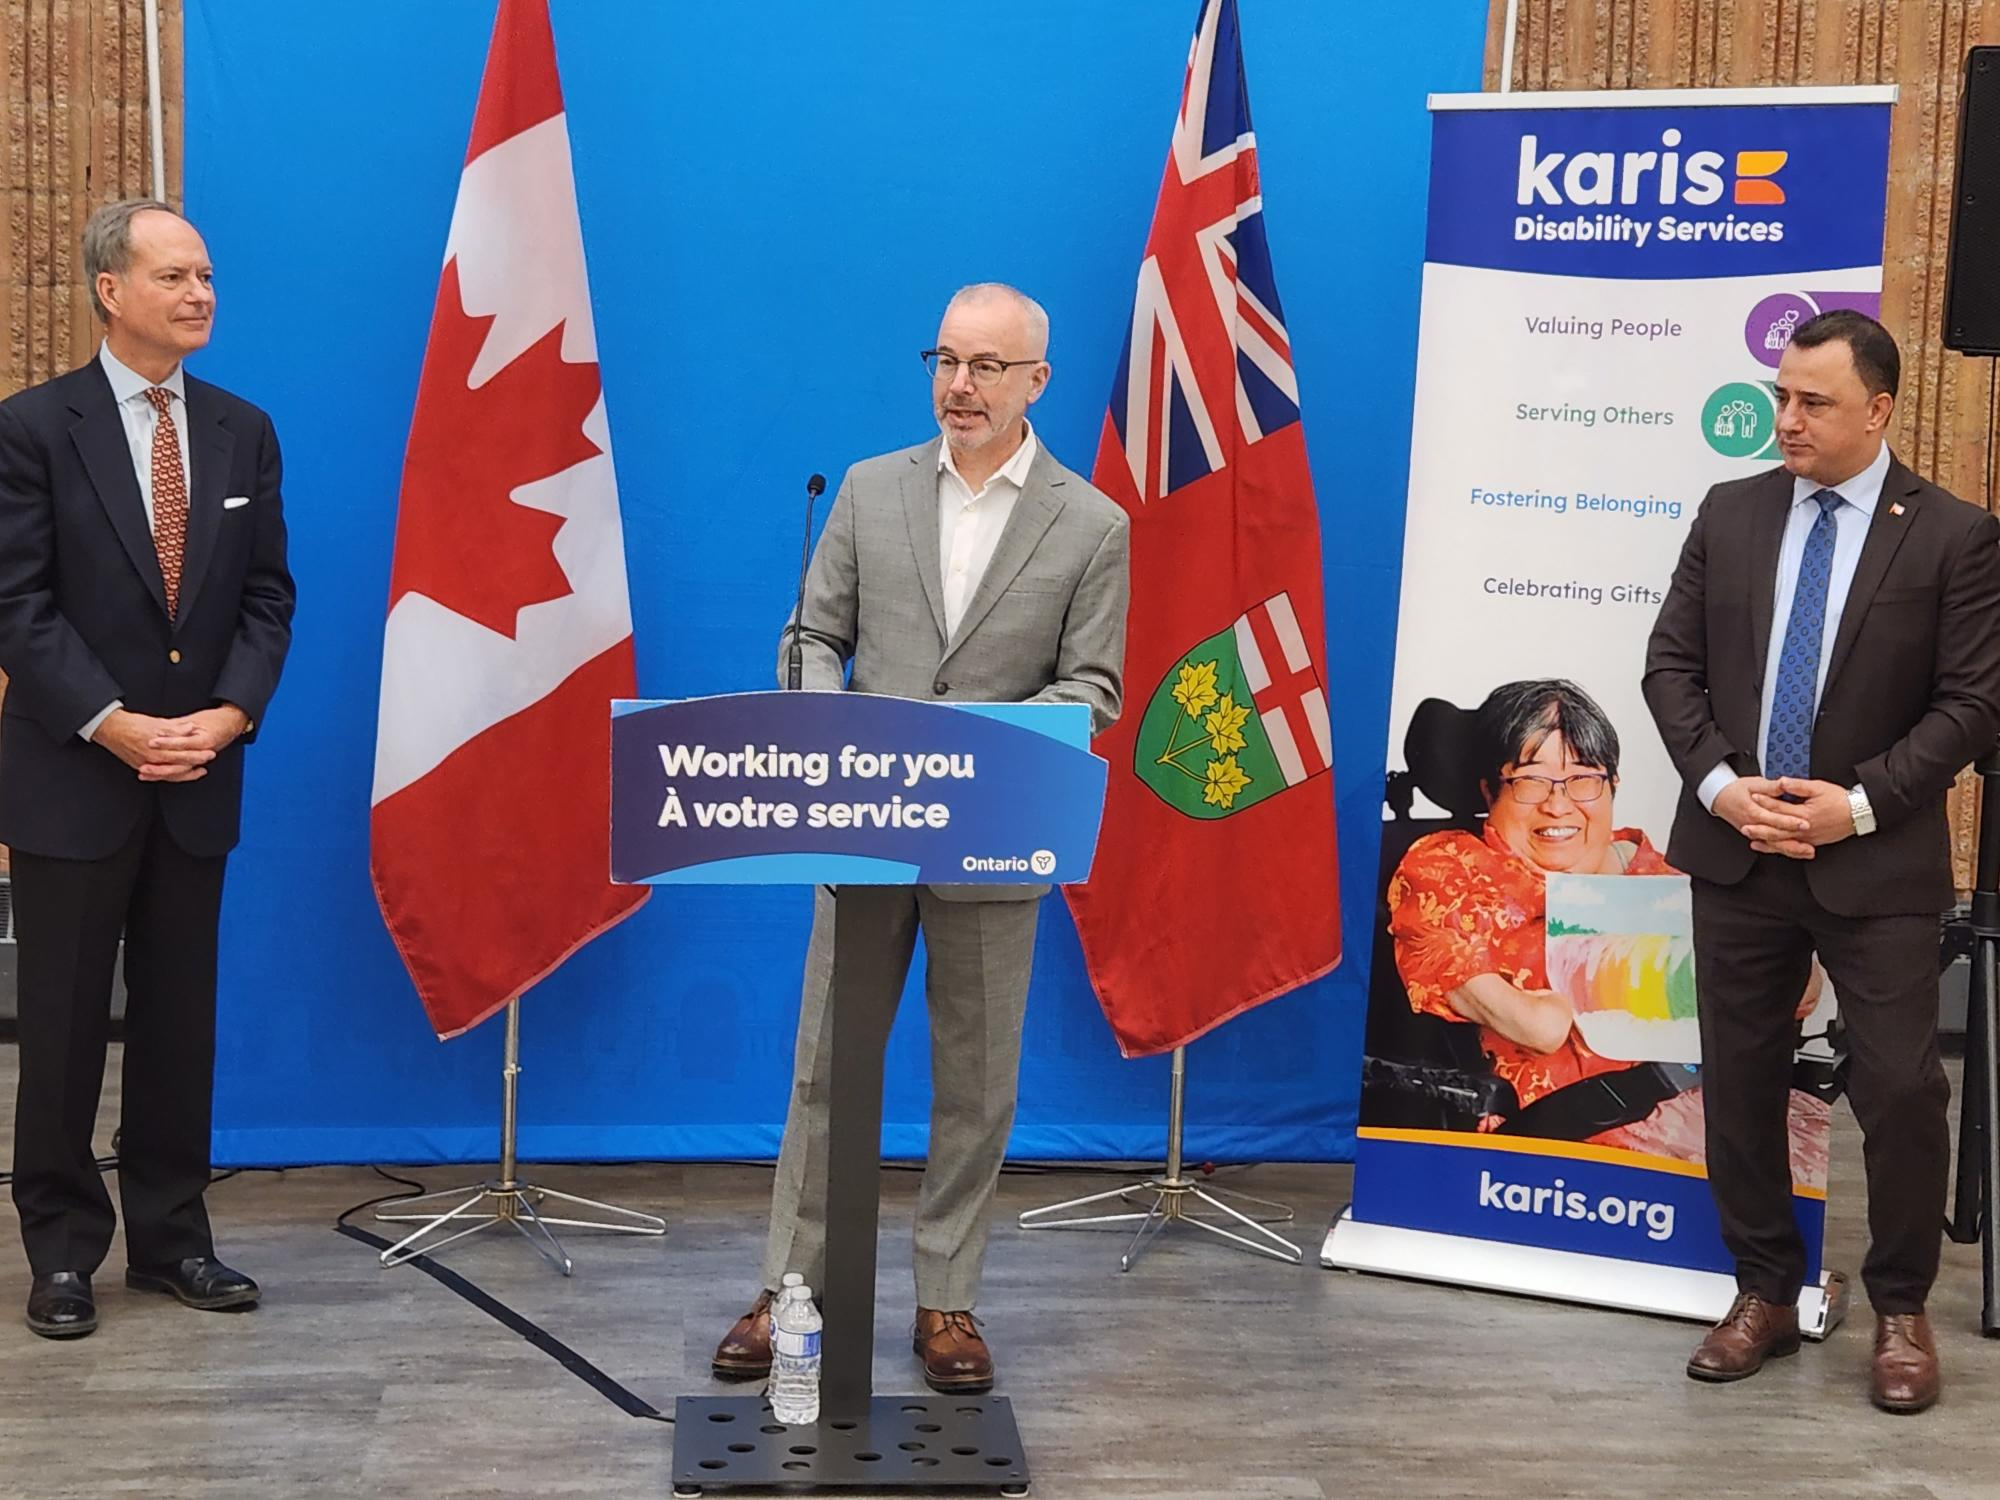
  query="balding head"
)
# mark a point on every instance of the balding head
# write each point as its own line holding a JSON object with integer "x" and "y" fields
{"x": 999, "y": 297}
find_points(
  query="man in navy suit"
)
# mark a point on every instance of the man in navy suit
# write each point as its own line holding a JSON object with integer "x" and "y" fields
{"x": 145, "y": 612}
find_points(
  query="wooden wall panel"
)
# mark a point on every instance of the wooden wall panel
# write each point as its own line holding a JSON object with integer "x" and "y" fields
{"x": 1944, "y": 425}
{"x": 73, "y": 102}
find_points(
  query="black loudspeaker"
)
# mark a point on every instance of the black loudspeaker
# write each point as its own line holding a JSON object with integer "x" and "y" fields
{"x": 1972, "y": 274}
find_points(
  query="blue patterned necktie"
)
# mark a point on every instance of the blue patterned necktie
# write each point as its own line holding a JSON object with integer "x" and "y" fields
{"x": 1788, "y": 751}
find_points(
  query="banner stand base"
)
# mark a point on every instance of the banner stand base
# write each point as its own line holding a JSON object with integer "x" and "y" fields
{"x": 1560, "y": 1275}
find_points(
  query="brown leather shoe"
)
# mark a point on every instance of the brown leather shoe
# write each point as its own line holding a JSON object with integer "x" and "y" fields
{"x": 1751, "y": 1332}
{"x": 956, "y": 1359}
{"x": 745, "y": 1351}
{"x": 1905, "y": 1371}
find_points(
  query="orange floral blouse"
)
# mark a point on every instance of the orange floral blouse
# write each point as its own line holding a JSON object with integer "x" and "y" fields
{"x": 1461, "y": 906}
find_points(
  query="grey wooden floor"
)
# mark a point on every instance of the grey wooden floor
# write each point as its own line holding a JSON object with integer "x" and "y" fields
{"x": 1204, "y": 1372}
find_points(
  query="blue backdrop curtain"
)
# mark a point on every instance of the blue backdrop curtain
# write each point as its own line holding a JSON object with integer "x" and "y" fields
{"x": 777, "y": 200}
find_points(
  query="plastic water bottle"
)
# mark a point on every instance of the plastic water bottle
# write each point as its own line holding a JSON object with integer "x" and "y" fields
{"x": 795, "y": 1329}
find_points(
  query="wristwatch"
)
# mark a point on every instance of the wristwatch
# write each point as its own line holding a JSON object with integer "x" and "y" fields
{"x": 1857, "y": 805}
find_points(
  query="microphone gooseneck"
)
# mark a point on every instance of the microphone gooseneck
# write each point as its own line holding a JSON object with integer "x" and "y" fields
{"x": 795, "y": 665}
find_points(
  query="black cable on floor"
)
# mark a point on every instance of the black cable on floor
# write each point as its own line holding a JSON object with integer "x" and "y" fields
{"x": 626, "y": 1400}
{"x": 619, "y": 1395}
{"x": 416, "y": 1190}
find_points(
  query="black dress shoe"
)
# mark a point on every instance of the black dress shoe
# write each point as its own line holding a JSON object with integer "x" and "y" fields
{"x": 60, "y": 1305}
{"x": 199, "y": 1281}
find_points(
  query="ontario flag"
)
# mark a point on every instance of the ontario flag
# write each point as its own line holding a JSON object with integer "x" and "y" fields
{"x": 1216, "y": 882}
{"x": 510, "y": 628}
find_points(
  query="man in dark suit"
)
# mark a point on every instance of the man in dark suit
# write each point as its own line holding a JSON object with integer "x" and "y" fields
{"x": 145, "y": 611}
{"x": 1826, "y": 662}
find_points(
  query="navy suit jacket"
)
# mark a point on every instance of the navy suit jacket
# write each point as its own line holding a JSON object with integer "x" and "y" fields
{"x": 83, "y": 612}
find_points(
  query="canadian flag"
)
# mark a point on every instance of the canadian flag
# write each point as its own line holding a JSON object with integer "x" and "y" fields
{"x": 510, "y": 628}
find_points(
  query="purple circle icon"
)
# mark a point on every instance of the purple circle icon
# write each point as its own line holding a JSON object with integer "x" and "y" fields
{"x": 1771, "y": 322}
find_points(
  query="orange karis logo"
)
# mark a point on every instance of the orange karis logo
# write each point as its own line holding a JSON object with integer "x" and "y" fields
{"x": 1754, "y": 171}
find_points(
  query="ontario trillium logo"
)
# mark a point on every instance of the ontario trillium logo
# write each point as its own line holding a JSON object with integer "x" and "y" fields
{"x": 1238, "y": 718}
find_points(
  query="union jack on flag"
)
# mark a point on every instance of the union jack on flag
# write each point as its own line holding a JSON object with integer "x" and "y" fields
{"x": 1216, "y": 881}
{"x": 1207, "y": 337}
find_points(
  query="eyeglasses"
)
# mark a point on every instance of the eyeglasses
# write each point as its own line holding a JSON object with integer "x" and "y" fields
{"x": 985, "y": 371}
{"x": 1533, "y": 791}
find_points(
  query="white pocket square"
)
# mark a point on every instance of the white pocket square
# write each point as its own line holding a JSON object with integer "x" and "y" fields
{"x": 234, "y": 501}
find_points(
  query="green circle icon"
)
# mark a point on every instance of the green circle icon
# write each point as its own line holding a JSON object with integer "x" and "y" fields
{"x": 1741, "y": 420}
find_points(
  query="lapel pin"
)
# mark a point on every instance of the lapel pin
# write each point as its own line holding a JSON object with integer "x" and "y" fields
{"x": 1896, "y": 508}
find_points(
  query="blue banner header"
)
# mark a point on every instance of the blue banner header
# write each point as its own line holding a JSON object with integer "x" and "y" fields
{"x": 1660, "y": 193}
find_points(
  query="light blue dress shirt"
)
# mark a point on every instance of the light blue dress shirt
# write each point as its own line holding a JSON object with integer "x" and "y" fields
{"x": 1851, "y": 519}
{"x": 128, "y": 389}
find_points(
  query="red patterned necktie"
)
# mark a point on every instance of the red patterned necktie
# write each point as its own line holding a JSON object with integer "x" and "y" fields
{"x": 170, "y": 496}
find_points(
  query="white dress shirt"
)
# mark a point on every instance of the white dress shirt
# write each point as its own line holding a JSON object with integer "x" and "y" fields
{"x": 128, "y": 389}
{"x": 969, "y": 525}
{"x": 1851, "y": 518}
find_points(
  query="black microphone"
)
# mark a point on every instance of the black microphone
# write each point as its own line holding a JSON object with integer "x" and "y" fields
{"x": 815, "y": 487}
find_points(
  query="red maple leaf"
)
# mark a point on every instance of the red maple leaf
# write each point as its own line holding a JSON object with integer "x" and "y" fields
{"x": 461, "y": 538}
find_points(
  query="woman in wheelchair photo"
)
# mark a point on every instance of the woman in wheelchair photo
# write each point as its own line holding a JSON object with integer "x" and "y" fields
{"x": 1467, "y": 918}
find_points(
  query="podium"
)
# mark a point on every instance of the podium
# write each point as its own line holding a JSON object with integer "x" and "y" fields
{"x": 862, "y": 794}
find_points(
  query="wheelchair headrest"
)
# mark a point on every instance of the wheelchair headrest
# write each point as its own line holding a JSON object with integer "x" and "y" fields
{"x": 1441, "y": 752}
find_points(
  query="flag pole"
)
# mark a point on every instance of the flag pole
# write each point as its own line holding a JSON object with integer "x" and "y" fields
{"x": 505, "y": 1199}
{"x": 1171, "y": 1192}
{"x": 154, "y": 112}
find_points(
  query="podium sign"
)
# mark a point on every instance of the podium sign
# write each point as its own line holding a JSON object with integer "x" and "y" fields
{"x": 851, "y": 789}
{"x": 861, "y": 793}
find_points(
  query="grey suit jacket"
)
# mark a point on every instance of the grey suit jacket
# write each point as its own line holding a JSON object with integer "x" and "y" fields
{"x": 1046, "y": 625}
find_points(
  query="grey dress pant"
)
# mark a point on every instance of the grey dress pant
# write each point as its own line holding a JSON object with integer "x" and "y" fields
{"x": 980, "y": 954}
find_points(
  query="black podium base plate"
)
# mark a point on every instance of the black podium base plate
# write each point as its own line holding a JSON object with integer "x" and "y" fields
{"x": 914, "y": 1442}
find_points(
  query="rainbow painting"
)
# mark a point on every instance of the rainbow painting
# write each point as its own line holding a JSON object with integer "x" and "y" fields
{"x": 1620, "y": 949}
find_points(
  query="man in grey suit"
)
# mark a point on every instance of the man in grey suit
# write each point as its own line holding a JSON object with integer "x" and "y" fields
{"x": 973, "y": 567}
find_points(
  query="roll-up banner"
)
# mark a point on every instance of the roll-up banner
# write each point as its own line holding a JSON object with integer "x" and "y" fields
{"x": 1609, "y": 281}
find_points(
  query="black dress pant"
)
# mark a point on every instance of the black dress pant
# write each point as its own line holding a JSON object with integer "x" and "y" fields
{"x": 1754, "y": 942}
{"x": 68, "y": 917}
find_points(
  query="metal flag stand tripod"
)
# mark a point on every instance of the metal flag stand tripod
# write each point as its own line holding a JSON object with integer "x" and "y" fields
{"x": 1170, "y": 1205}
{"x": 504, "y": 1200}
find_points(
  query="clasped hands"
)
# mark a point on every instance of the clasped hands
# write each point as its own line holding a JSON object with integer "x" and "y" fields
{"x": 1755, "y": 807}
{"x": 176, "y": 749}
